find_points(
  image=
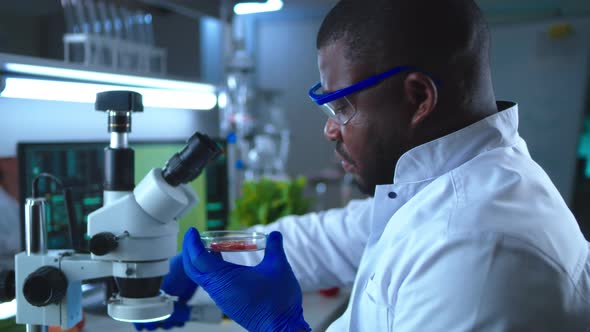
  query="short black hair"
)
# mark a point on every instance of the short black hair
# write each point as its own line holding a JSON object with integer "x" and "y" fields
{"x": 426, "y": 33}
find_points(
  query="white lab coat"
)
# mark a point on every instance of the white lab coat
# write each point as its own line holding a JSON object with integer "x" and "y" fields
{"x": 471, "y": 236}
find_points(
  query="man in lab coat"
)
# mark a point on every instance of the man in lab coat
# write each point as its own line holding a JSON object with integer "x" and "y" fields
{"x": 464, "y": 232}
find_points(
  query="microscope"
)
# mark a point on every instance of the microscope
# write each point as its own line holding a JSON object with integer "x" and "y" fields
{"x": 132, "y": 236}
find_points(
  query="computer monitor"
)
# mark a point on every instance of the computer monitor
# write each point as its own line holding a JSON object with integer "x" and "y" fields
{"x": 80, "y": 165}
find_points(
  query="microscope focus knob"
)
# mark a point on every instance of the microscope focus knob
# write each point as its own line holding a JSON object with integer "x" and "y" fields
{"x": 45, "y": 286}
{"x": 6, "y": 286}
{"x": 103, "y": 243}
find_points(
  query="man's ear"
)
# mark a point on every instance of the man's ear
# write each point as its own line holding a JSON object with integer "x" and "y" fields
{"x": 422, "y": 94}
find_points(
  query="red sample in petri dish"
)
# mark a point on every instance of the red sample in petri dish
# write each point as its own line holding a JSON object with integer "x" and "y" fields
{"x": 232, "y": 246}
{"x": 330, "y": 292}
{"x": 233, "y": 240}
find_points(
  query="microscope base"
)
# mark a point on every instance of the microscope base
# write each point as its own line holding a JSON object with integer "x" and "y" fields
{"x": 141, "y": 310}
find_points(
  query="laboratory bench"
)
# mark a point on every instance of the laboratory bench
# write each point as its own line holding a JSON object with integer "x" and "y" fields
{"x": 319, "y": 311}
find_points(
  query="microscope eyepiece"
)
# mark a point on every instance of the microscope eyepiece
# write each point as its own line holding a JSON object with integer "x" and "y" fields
{"x": 187, "y": 164}
{"x": 119, "y": 101}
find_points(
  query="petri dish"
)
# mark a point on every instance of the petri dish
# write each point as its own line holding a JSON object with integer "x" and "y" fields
{"x": 233, "y": 240}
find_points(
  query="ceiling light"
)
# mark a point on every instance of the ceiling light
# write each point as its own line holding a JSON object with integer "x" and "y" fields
{"x": 44, "y": 89}
{"x": 27, "y": 79}
{"x": 244, "y": 8}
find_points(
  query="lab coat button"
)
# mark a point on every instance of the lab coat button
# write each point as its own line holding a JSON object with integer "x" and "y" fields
{"x": 392, "y": 195}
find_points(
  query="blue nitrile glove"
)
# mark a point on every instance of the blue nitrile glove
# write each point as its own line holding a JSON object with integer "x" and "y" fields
{"x": 266, "y": 297}
{"x": 175, "y": 283}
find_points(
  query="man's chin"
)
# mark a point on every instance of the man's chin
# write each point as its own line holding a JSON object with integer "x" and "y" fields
{"x": 363, "y": 186}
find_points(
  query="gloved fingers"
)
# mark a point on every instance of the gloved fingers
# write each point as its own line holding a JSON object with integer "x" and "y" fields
{"x": 197, "y": 256}
{"x": 181, "y": 313}
{"x": 190, "y": 270}
{"x": 170, "y": 281}
{"x": 147, "y": 326}
{"x": 192, "y": 239}
{"x": 274, "y": 252}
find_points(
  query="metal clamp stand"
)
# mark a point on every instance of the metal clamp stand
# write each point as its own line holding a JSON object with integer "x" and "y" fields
{"x": 35, "y": 238}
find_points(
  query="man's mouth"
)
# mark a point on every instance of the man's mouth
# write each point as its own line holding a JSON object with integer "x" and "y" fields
{"x": 346, "y": 161}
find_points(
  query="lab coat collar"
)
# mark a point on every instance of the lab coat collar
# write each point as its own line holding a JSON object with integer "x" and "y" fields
{"x": 435, "y": 158}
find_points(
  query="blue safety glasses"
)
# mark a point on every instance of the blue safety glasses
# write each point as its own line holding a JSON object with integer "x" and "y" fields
{"x": 337, "y": 106}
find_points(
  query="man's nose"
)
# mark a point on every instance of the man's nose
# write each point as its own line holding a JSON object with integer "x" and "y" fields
{"x": 332, "y": 130}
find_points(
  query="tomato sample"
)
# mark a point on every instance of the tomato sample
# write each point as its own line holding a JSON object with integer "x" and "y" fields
{"x": 232, "y": 246}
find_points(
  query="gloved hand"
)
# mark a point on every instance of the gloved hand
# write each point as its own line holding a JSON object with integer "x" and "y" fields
{"x": 266, "y": 297}
{"x": 175, "y": 283}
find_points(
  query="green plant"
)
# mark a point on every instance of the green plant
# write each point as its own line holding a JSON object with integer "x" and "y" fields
{"x": 266, "y": 200}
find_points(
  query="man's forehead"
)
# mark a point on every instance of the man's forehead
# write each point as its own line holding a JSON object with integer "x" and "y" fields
{"x": 336, "y": 70}
{"x": 331, "y": 63}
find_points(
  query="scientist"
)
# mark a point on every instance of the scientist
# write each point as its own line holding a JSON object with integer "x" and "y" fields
{"x": 464, "y": 232}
